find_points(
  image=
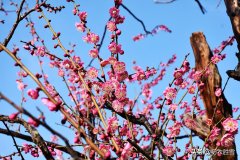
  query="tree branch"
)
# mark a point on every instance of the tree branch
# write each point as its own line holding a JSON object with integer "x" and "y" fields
{"x": 18, "y": 20}
{"x": 203, "y": 10}
{"x": 36, "y": 137}
{"x": 136, "y": 18}
{"x": 139, "y": 149}
{"x": 14, "y": 141}
{"x": 44, "y": 124}
{"x": 29, "y": 139}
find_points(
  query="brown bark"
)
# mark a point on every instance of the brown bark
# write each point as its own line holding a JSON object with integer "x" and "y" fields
{"x": 233, "y": 11}
{"x": 216, "y": 109}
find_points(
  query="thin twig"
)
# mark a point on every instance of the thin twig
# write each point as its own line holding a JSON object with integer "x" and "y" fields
{"x": 101, "y": 43}
{"x": 203, "y": 10}
{"x": 164, "y": 2}
{"x": 14, "y": 141}
{"x": 135, "y": 17}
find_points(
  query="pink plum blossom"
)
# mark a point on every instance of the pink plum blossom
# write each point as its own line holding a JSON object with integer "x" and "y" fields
{"x": 51, "y": 106}
{"x": 80, "y": 27}
{"x": 114, "y": 12}
{"x": 13, "y": 116}
{"x": 170, "y": 93}
{"x": 117, "y": 106}
{"x": 33, "y": 93}
{"x": 111, "y": 26}
{"x": 218, "y": 92}
{"x": 93, "y": 53}
{"x": 168, "y": 151}
{"x": 33, "y": 122}
{"x": 227, "y": 140}
{"x": 92, "y": 73}
{"x": 230, "y": 124}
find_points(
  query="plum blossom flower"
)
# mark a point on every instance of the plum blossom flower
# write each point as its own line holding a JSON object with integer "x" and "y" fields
{"x": 91, "y": 38}
{"x": 114, "y": 12}
{"x": 33, "y": 122}
{"x": 168, "y": 150}
{"x": 111, "y": 26}
{"x": 173, "y": 107}
{"x": 138, "y": 37}
{"x": 21, "y": 85}
{"x": 33, "y": 93}
{"x": 107, "y": 87}
{"x": 178, "y": 73}
{"x": 218, "y": 92}
{"x": 214, "y": 134}
{"x": 164, "y": 28}
{"x": 120, "y": 93}
{"x": 230, "y": 124}
{"x": 170, "y": 93}
{"x": 117, "y": 106}
{"x": 93, "y": 53}
{"x": 13, "y": 116}
{"x": 225, "y": 43}
{"x": 92, "y": 73}
{"x": 174, "y": 130}
{"x": 191, "y": 89}
{"x": 227, "y": 140}
{"x": 40, "y": 51}
{"x": 119, "y": 67}
{"x": 51, "y": 106}
{"x": 61, "y": 72}
{"x": 80, "y": 27}
{"x": 114, "y": 48}
{"x": 217, "y": 58}
{"x": 112, "y": 124}
{"x": 82, "y": 16}
{"x": 126, "y": 151}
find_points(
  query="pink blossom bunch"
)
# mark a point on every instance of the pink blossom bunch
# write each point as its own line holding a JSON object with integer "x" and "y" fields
{"x": 224, "y": 44}
{"x": 91, "y": 38}
{"x": 169, "y": 151}
{"x": 154, "y": 31}
{"x": 217, "y": 58}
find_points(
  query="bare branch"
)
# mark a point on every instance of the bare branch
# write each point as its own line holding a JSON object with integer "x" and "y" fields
{"x": 29, "y": 139}
{"x": 14, "y": 141}
{"x": 44, "y": 124}
{"x": 136, "y": 18}
{"x": 37, "y": 139}
{"x": 203, "y": 10}
{"x": 164, "y": 1}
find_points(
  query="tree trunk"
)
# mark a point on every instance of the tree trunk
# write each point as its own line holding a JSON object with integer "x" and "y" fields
{"x": 217, "y": 108}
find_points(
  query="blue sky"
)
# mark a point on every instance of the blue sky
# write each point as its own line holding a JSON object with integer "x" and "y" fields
{"x": 183, "y": 17}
